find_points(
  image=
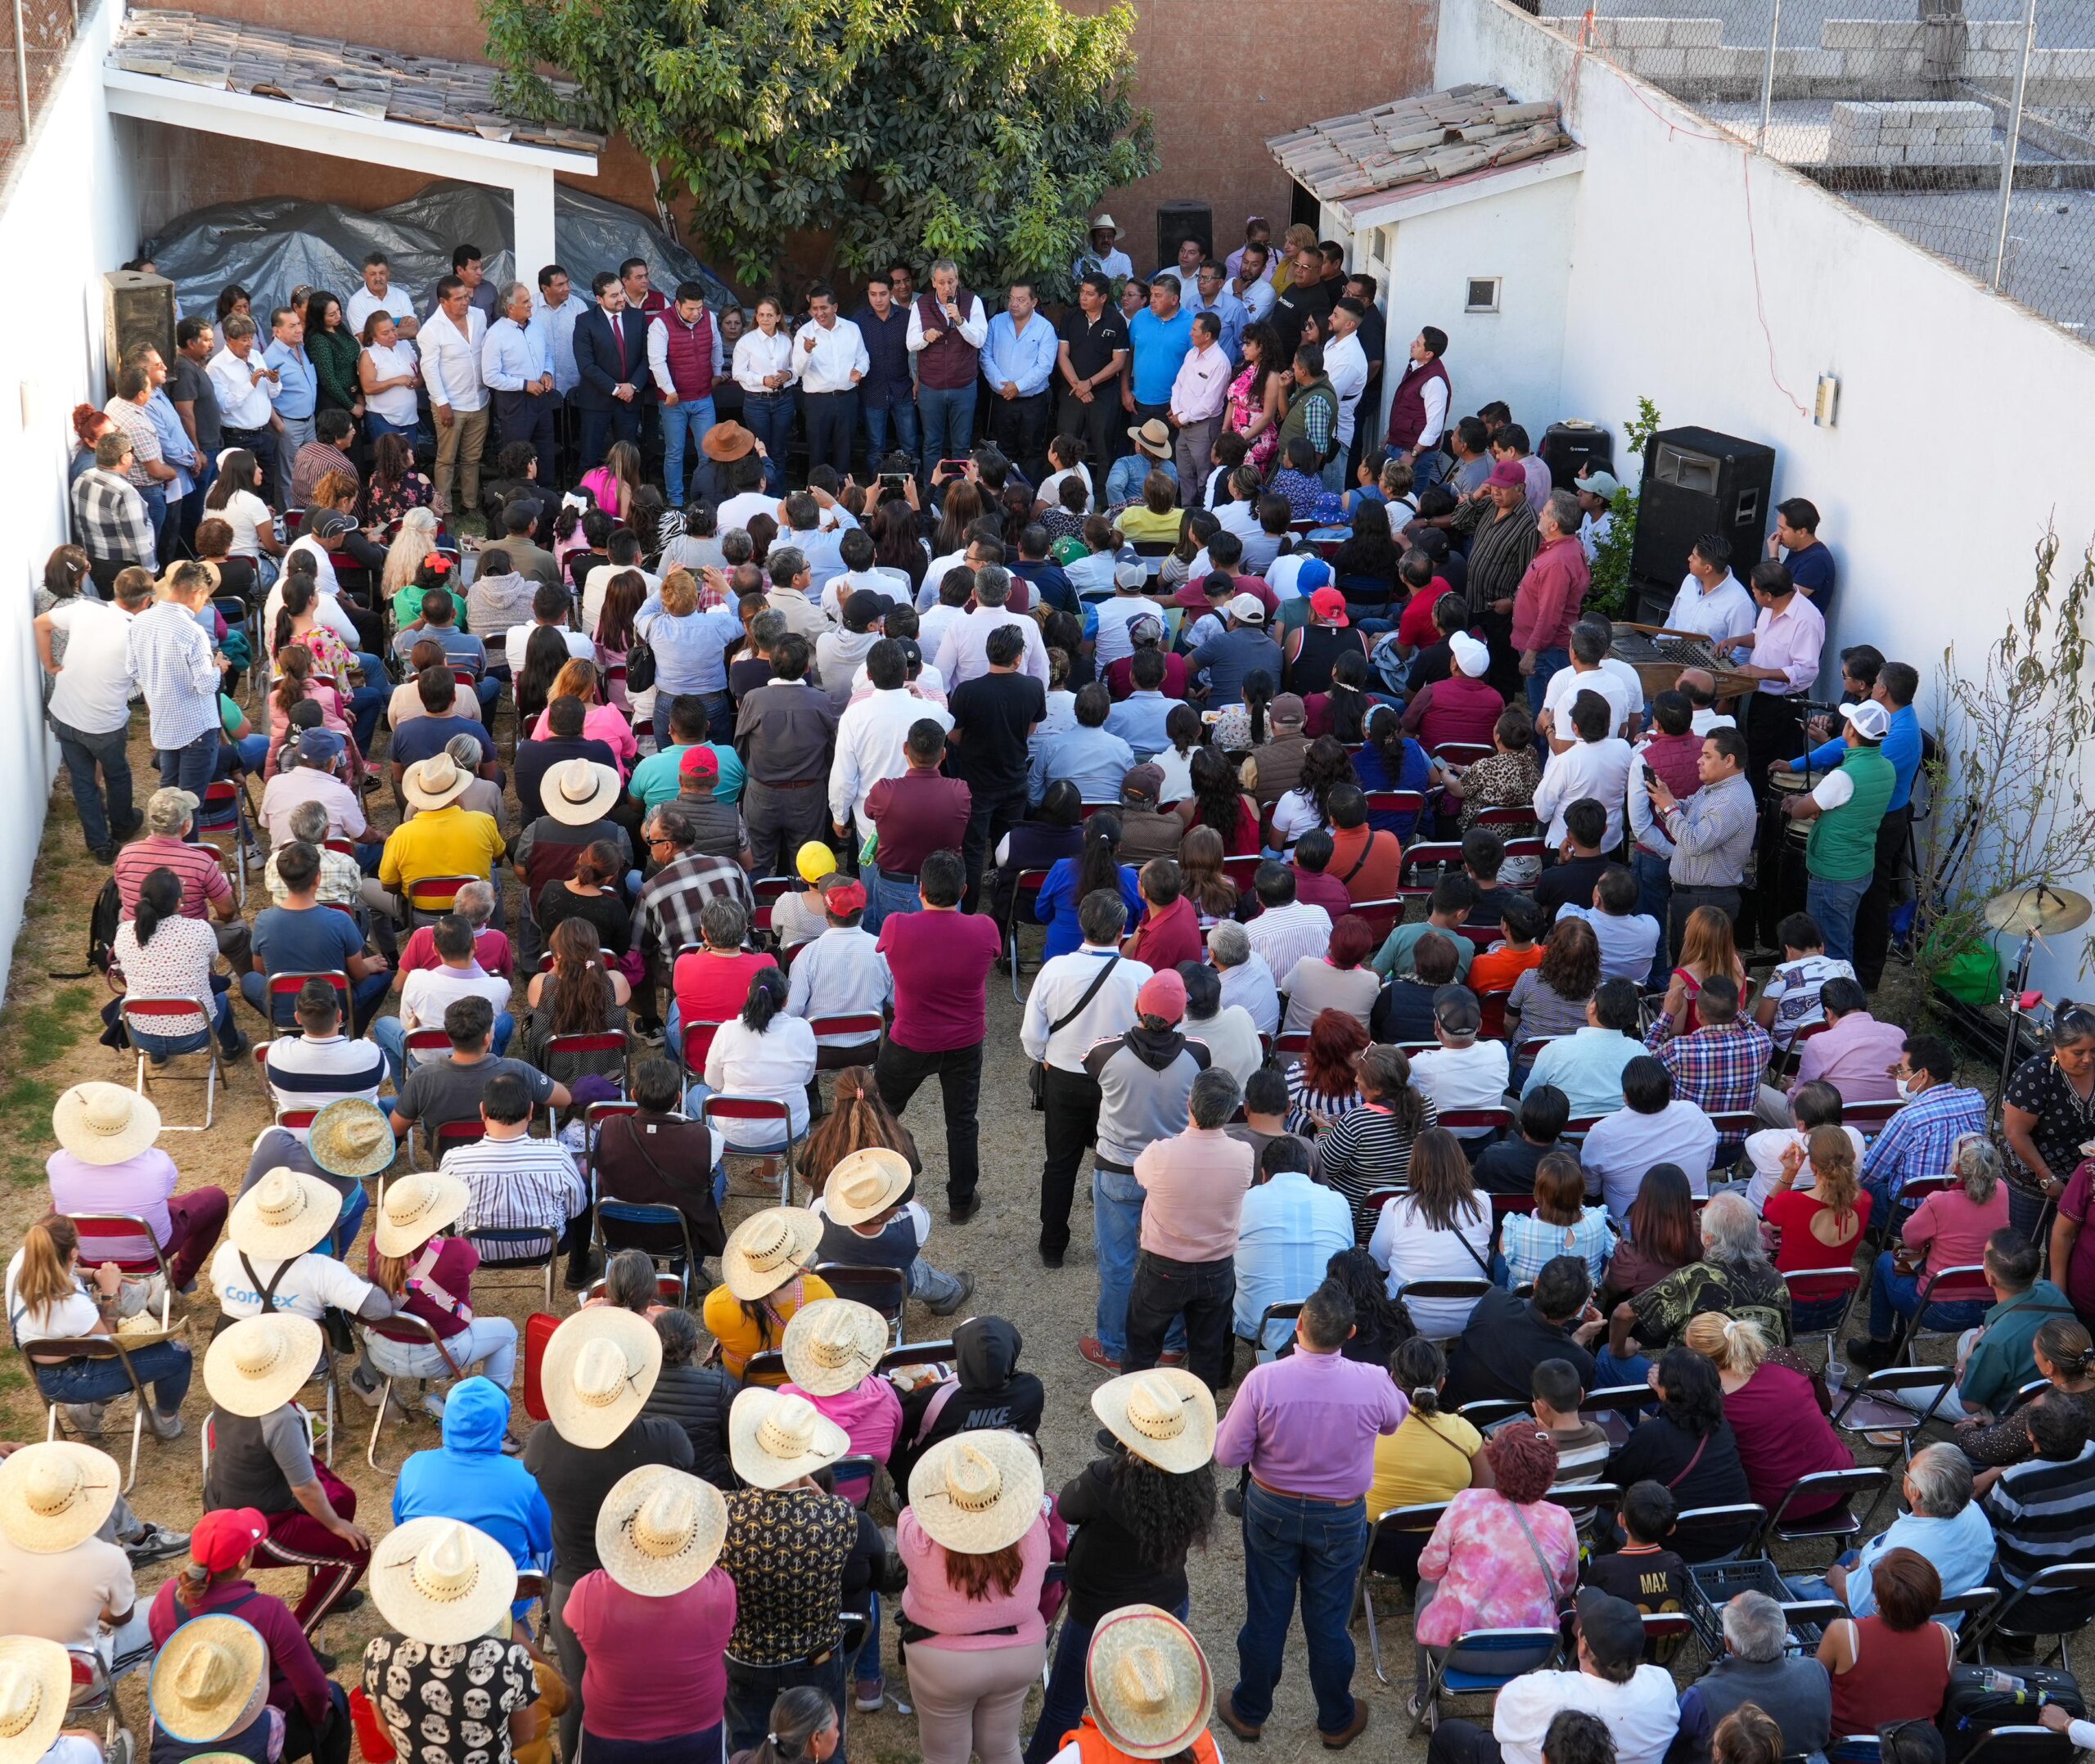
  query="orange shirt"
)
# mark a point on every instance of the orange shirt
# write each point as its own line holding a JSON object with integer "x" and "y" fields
{"x": 1495, "y": 970}
{"x": 1375, "y": 879}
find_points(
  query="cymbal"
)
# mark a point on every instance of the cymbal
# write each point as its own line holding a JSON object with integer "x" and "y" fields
{"x": 2039, "y": 908}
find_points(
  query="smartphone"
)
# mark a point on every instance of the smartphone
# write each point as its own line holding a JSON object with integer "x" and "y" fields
{"x": 894, "y": 480}
{"x": 958, "y": 466}
{"x": 1650, "y": 777}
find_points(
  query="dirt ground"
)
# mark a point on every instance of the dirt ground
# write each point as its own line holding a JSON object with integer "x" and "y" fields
{"x": 48, "y": 1035}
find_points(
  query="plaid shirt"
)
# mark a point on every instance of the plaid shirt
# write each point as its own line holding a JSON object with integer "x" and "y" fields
{"x": 1919, "y": 1140}
{"x": 341, "y": 881}
{"x": 665, "y": 917}
{"x": 1718, "y": 1069}
{"x": 172, "y": 661}
{"x": 108, "y": 519}
{"x": 137, "y": 426}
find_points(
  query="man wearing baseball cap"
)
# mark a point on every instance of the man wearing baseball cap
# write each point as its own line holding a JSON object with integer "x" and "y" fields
{"x": 717, "y": 823}
{"x": 1221, "y": 663}
{"x": 1597, "y": 490}
{"x": 1502, "y": 545}
{"x": 1845, "y": 808}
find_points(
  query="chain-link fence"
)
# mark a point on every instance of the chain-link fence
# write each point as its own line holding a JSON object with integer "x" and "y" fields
{"x": 1967, "y": 125}
{"x": 36, "y": 33}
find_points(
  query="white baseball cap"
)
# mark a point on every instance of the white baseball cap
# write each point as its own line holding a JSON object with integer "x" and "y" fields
{"x": 1248, "y": 609}
{"x": 1872, "y": 722}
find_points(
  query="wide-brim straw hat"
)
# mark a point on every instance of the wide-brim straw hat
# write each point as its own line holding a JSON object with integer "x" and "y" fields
{"x": 977, "y": 1492}
{"x": 105, "y": 1123}
{"x": 256, "y": 1365}
{"x": 351, "y": 1138}
{"x": 775, "y": 1437}
{"x": 865, "y": 1185}
{"x": 1152, "y": 438}
{"x": 36, "y": 1685}
{"x": 660, "y": 1530}
{"x": 441, "y": 1580}
{"x": 415, "y": 1208}
{"x": 56, "y": 1494}
{"x": 435, "y": 782}
{"x": 768, "y": 1250}
{"x": 832, "y": 1345}
{"x": 285, "y": 1214}
{"x": 576, "y": 792}
{"x": 600, "y": 1366}
{"x": 1147, "y": 1682}
{"x": 1165, "y": 1416}
{"x": 211, "y": 1679}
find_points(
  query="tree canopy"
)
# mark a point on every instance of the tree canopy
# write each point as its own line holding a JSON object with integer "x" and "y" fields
{"x": 982, "y": 130}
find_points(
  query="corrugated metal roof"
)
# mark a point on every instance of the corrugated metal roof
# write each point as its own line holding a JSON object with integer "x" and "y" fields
{"x": 1430, "y": 138}
{"x": 359, "y": 79}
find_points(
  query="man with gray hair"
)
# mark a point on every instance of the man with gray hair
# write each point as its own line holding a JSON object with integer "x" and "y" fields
{"x": 669, "y": 905}
{"x": 791, "y": 576}
{"x": 963, "y": 651}
{"x": 1246, "y": 980}
{"x": 1943, "y": 1523}
{"x": 947, "y": 331}
{"x": 516, "y": 363}
{"x": 342, "y": 879}
{"x": 1793, "y": 1689}
{"x": 1547, "y": 600}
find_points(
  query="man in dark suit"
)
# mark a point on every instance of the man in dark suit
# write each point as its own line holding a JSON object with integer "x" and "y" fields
{"x": 610, "y": 353}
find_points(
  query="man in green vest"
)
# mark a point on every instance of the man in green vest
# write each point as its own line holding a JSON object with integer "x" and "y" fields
{"x": 1840, "y": 856}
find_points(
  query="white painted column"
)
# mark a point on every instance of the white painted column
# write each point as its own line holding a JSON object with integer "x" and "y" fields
{"x": 533, "y": 190}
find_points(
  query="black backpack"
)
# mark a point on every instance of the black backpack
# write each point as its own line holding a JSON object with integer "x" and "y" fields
{"x": 102, "y": 922}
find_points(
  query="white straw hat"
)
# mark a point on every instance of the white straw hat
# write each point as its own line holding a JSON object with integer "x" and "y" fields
{"x": 977, "y": 1492}
{"x": 435, "y": 783}
{"x": 865, "y": 1185}
{"x": 660, "y": 1530}
{"x": 1165, "y": 1416}
{"x": 415, "y": 1208}
{"x": 1147, "y": 1682}
{"x": 36, "y": 1685}
{"x": 833, "y": 1344}
{"x": 441, "y": 1581}
{"x": 576, "y": 792}
{"x": 285, "y": 1214}
{"x": 56, "y": 1494}
{"x": 768, "y": 1250}
{"x": 775, "y": 1437}
{"x": 599, "y": 1366}
{"x": 105, "y": 1123}
{"x": 211, "y": 1679}
{"x": 257, "y": 1364}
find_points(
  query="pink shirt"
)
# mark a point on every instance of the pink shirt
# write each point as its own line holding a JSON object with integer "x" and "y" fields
{"x": 1202, "y": 387}
{"x": 139, "y": 1187}
{"x": 656, "y": 1667}
{"x": 1790, "y": 640}
{"x": 1193, "y": 1187}
{"x": 600, "y": 722}
{"x": 1489, "y": 1577}
{"x": 1307, "y": 1424}
{"x": 871, "y": 1413}
{"x": 1854, "y": 1055}
{"x": 1952, "y": 1230}
{"x": 957, "y": 1622}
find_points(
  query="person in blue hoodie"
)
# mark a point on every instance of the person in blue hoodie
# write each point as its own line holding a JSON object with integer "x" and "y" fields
{"x": 470, "y": 1478}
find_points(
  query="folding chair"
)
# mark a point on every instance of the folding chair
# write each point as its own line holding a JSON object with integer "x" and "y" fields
{"x": 1827, "y": 1286}
{"x": 284, "y": 988}
{"x": 885, "y": 1290}
{"x": 449, "y": 1133}
{"x": 2056, "y": 1601}
{"x": 93, "y": 1698}
{"x": 127, "y": 1240}
{"x": 2029, "y": 1744}
{"x": 410, "y": 1331}
{"x": 863, "y": 1027}
{"x": 1290, "y": 1046}
{"x": 1398, "y": 1521}
{"x": 613, "y": 1211}
{"x": 1500, "y": 1121}
{"x": 1462, "y": 752}
{"x": 141, "y": 1011}
{"x": 1243, "y": 871}
{"x": 220, "y": 795}
{"x": 915, "y": 1353}
{"x": 93, "y": 1347}
{"x": 697, "y": 1042}
{"x": 1838, "y": 1523}
{"x": 1383, "y": 916}
{"x": 1441, "y": 857}
{"x": 1945, "y": 1286}
{"x": 753, "y": 1108}
{"x": 428, "y": 898}
{"x": 767, "y": 1368}
{"x": 577, "y": 1045}
{"x": 1488, "y": 1412}
{"x": 1614, "y": 1409}
{"x": 1396, "y": 803}
{"x": 1582, "y": 1499}
{"x": 499, "y": 1237}
{"x": 668, "y": 1290}
{"x": 1025, "y": 893}
{"x": 1286, "y": 1313}
{"x": 768, "y": 891}
{"x": 1872, "y": 1117}
{"x": 1503, "y": 1206}
{"x": 1472, "y": 1288}
{"x": 1525, "y": 1054}
{"x": 1877, "y": 1404}
{"x": 1481, "y": 1664}
{"x": 424, "y": 1043}
{"x": 1379, "y": 1198}
{"x": 1957, "y": 1606}
{"x": 1699, "y": 1532}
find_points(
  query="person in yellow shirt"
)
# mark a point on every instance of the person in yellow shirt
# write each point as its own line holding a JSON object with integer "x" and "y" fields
{"x": 1157, "y": 518}
{"x": 440, "y": 839}
{"x": 762, "y": 1284}
{"x": 1432, "y": 1457}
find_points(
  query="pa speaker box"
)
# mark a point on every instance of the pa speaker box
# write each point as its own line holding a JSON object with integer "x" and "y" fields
{"x": 1179, "y": 220}
{"x": 1567, "y": 447}
{"x": 1696, "y": 481}
{"x": 135, "y": 308}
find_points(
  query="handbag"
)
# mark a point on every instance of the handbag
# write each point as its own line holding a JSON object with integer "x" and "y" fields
{"x": 639, "y": 665}
{"x": 1036, "y": 1074}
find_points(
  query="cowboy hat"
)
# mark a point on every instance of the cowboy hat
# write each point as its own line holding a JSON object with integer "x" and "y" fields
{"x": 775, "y": 1437}
{"x": 36, "y": 1685}
{"x": 285, "y": 1214}
{"x": 1152, "y": 438}
{"x": 435, "y": 782}
{"x": 1165, "y": 1416}
{"x": 831, "y": 1345}
{"x": 576, "y": 792}
{"x": 441, "y": 1581}
{"x": 351, "y": 1138}
{"x": 105, "y": 1123}
{"x": 415, "y": 1208}
{"x": 659, "y": 1531}
{"x": 55, "y": 1494}
{"x": 768, "y": 1250}
{"x": 1147, "y": 1682}
{"x": 1104, "y": 223}
{"x": 256, "y": 1365}
{"x": 865, "y": 1185}
{"x": 599, "y": 1366}
{"x": 977, "y": 1492}
{"x": 727, "y": 441}
{"x": 211, "y": 1679}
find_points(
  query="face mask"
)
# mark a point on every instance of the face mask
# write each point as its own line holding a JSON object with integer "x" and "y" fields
{"x": 1905, "y": 1091}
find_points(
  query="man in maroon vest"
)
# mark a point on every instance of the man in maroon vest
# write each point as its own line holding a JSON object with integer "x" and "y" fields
{"x": 684, "y": 354}
{"x": 1418, "y": 412}
{"x": 947, "y": 331}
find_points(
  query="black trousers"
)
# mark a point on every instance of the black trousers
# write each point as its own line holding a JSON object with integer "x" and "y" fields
{"x": 993, "y": 816}
{"x": 1019, "y": 427}
{"x": 1774, "y": 729}
{"x": 832, "y": 419}
{"x": 1462, "y": 1743}
{"x": 1072, "y": 1122}
{"x": 1203, "y": 1292}
{"x": 900, "y": 1072}
{"x": 1873, "y": 916}
{"x": 1684, "y": 901}
{"x": 326, "y": 1744}
{"x": 1096, "y": 422}
{"x": 519, "y": 416}
{"x": 262, "y": 444}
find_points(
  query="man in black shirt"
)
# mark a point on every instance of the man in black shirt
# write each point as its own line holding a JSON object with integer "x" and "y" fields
{"x": 1506, "y": 1337}
{"x": 1309, "y": 295}
{"x": 564, "y": 740}
{"x": 1570, "y": 881}
{"x": 1092, "y": 355}
{"x": 992, "y": 715}
{"x": 1508, "y": 1168}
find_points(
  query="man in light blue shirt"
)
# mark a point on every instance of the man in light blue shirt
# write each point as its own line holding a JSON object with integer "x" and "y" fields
{"x": 1651, "y": 1127}
{"x": 294, "y": 394}
{"x": 1161, "y": 333}
{"x": 1290, "y": 1228}
{"x": 176, "y": 448}
{"x": 1587, "y": 1066}
{"x": 1213, "y": 296}
{"x": 1946, "y": 1526}
{"x": 516, "y": 363}
{"x": 1628, "y": 939}
{"x": 1139, "y": 718}
{"x": 1018, "y": 361}
{"x": 815, "y": 522}
{"x": 553, "y": 319}
{"x": 1088, "y": 756}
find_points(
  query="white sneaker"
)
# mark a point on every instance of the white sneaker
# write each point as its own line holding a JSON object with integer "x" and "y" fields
{"x": 84, "y": 1418}
{"x": 164, "y": 1426}
{"x": 432, "y": 1404}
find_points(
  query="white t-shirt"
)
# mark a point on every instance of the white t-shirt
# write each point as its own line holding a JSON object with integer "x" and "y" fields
{"x": 1642, "y": 1715}
{"x": 69, "y": 1318}
{"x": 1412, "y": 1250}
{"x": 311, "y": 1283}
{"x": 737, "y": 511}
{"x": 1051, "y": 489}
{"x": 1294, "y": 815}
{"x": 1567, "y": 683}
{"x": 1116, "y": 618}
{"x": 428, "y": 992}
{"x": 92, "y": 690}
{"x": 599, "y": 584}
{"x": 1833, "y": 789}
{"x": 582, "y": 647}
{"x": 1462, "y": 1078}
{"x": 363, "y": 303}
{"x": 243, "y": 512}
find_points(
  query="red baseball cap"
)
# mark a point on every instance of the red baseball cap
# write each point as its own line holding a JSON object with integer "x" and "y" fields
{"x": 222, "y": 1539}
{"x": 1508, "y": 475}
{"x": 842, "y": 898}
{"x": 699, "y": 762}
{"x": 1328, "y": 603}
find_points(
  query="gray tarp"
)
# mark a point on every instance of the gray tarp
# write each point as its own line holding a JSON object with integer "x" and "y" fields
{"x": 274, "y": 243}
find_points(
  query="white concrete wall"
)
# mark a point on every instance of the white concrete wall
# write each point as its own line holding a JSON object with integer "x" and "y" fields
{"x": 1932, "y": 515}
{"x": 69, "y": 207}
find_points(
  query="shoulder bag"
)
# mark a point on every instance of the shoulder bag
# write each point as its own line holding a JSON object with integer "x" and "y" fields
{"x": 1036, "y": 1076}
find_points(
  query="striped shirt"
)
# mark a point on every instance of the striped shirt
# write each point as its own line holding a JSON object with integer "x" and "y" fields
{"x": 203, "y": 878}
{"x": 2043, "y": 1514}
{"x": 1505, "y": 545}
{"x": 109, "y": 521}
{"x": 517, "y": 1184}
{"x": 1367, "y": 1150}
{"x": 311, "y": 1071}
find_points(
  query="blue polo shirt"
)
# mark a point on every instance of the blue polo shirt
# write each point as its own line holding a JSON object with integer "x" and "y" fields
{"x": 1161, "y": 345}
{"x": 1902, "y": 747}
{"x": 1812, "y": 568}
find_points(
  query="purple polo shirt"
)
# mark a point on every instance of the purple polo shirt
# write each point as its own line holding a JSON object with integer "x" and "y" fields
{"x": 1307, "y": 1424}
{"x": 139, "y": 1187}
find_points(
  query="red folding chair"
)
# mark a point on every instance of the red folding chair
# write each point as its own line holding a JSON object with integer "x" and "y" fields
{"x": 1461, "y": 752}
{"x": 433, "y": 897}
{"x": 1396, "y": 803}
{"x": 428, "y": 1040}
{"x": 1427, "y": 860}
{"x": 1498, "y": 1120}
{"x": 145, "y": 1014}
{"x": 749, "y": 1110}
{"x": 697, "y": 1043}
{"x": 127, "y": 1240}
{"x": 288, "y": 986}
{"x": 222, "y": 796}
{"x": 1244, "y": 871}
{"x": 1868, "y": 1118}
{"x": 449, "y": 1133}
{"x": 1383, "y": 916}
{"x": 1292, "y": 1046}
{"x": 1025, "y": 893}
{"x": 852, "y": 1029}
{"x": 347, "y": 847}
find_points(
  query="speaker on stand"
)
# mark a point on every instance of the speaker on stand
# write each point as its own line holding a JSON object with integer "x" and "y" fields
{"x": 1696, "y": 481}
{"x": 136, "y": 309}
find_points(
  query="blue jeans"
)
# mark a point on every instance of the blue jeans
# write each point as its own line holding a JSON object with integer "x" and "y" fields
{"x": 1064, "y": 1705}
{"x": 366, "y": 702}
{"x": 249, "y": 752}
{"x": 191, "y": 768}
{"x": 374, "y": 426}
{"x": 391, "y": 1035}
{"x": 166, "y": 1366}
{"x": 886, "y": 898}
{"x": 1893, "y": 1296}
{"x": 866, "y": 1663}
{"x": 1608, "y": 1371}
{"x": 949, "y": 419}
{"x": 689, "y": 417}
{"x": 770, "y": 417}
{"x": 365, "y": 996}
{"x": 1547, "y": 663}
{"x": 167, "y": 1047}
{"x": 880, "y": 409}
{"x": 1116, "y": 1208}
{"x": 82, "y": 753}
{"x": 1833, "y": 905}
{"x": 1426, "y": 469}
{"x": 1654, "y": 895}
{"x": 1319, "y": 1546}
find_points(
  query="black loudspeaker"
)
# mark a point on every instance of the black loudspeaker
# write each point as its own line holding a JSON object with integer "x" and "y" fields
{"x": 1566, "y": 448}
{"x": 1175, "y": 221}
{"x": 135, "y": 308}
{"x": 1696, "y": 481}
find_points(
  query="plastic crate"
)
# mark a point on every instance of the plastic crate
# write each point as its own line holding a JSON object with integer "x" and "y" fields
{"x": 1711, "y": 1586}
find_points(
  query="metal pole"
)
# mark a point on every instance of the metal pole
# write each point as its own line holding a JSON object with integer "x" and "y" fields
{"x": 1768, "y": 77}
{"x": 2014, "y": 136}
{"x": 22, "y": 68}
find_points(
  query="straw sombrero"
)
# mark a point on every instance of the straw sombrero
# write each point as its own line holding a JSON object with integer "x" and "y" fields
{"x": 768, "y": 1250}
{"x": 832, "y": 1345}
{"x": 435, "y": 783}
{"x": 105, "y": 1123}
{"x": 416, "y": 1207}
{"x": 351, "y": 1138}
{"x": 441, "y": 1581}
{"x": 1165, "y": 1416}
{"x": 660, "y": 1530}
{"x": 285, "y": 1214}
{"x": 36, "y": 1684}
{"x": 1147, "y": 1682}
{"x": 865, "y": 1185}
{"x": 775, "y": 1437}
{"x": 256, "y": 1365}
{"x": 211, "y": 1679}
{"x": 599, "y": 1366}
{"x": 977, "y": 1492}
{"x": 576, "y": 792}
{"x": 55, "y": 1494}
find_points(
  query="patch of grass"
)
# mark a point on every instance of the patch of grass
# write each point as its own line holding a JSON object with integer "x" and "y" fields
{"x": 37, "y": 1034}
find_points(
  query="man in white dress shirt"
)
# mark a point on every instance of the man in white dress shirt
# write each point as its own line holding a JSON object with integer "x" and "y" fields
{"x": 518, "y": 368}
{"x": 1711, "y": 602}
{"x": 829, "y": 353}
{"x": 1199, "y": 395}
{"x": 1588, "y": 673}
{"x": 378, "y": 295}
{"x": 947, "y": 331}
{"x": 242, "y": 379}
{"x": 871, "y": 733}
{"x": 1103, "y": 257}
{"x": 1596, "y": 765}
{"x": 1345, "y": 365}
{"x": 1252, "y": 279}
{"x": 451, "y": 343}
{"x": 963, "y": 653}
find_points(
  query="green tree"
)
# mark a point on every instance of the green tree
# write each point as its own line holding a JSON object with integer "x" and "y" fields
{"x": 982, "y": 130}
{"x": 1610, "y": 589}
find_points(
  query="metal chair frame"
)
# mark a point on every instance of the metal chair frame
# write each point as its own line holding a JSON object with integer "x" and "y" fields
{"x": 1398, "y": 1521}
{"x": 1027, "y": 882}
{"x": 1839, "y": 1523}
{"x": 416, "y": 1332}
{"x": 500, "y": 1235}
{"x": 1450, "y": 1677}
{"x": 92, "y": 1348}
{"x": 145, "y": 1005}
{"x": 885, "y": 1290}
{"x": 725, "y": 1107}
